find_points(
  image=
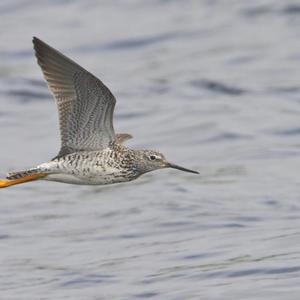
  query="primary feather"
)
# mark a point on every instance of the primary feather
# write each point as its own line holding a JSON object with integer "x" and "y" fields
{"x": 85, "y": 104}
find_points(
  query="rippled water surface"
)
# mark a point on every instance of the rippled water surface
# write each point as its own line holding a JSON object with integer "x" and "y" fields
{"x": 215, "y": 86}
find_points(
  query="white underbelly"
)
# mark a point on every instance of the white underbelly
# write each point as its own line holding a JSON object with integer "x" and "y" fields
{"x": 66, "y": 178}
{"x": 100, "y": 179}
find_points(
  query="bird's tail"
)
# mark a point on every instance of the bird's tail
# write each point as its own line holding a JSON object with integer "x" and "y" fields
{"x": 21, "y": 177}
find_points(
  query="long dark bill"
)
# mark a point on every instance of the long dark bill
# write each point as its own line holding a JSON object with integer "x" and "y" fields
{"x": 181, "y": 168}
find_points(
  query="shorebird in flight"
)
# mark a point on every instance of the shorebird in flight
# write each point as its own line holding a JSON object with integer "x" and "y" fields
{"x": 91, "y": 152}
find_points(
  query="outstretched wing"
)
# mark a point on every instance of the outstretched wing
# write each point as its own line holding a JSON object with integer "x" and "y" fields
{"x": 85, "y": 104}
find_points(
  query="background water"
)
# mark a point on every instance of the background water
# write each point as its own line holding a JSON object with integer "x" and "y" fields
{"x": 214, "y": 85}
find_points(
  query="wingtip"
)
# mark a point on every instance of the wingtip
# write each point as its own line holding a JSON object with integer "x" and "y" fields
{"x": 39, "y": 48}
{"x": 35, "y": 39}
{"x": 37, "y": 42}
{"x": 36, "y": 47}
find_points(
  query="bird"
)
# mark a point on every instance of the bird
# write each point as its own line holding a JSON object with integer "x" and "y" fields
{"x": 91, "y": 152}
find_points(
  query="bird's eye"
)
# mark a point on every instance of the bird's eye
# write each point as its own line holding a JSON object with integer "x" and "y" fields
{"x": 152, "y": 157}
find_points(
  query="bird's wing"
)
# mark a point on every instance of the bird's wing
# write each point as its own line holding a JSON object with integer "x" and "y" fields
{"x": 85, "y": 104}
{"x": 123, "y": 137}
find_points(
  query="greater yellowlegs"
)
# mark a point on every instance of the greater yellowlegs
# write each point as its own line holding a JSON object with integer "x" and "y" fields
{"x": 91, "y": 153}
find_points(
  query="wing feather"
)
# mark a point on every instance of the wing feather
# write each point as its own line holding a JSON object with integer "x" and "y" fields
{"x": 85, "y": 105}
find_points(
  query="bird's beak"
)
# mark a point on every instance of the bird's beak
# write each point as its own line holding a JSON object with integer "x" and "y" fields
{"x": 170, "y": 165}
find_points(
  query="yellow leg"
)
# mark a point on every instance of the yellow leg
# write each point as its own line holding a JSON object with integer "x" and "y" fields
{"x": 7, "y": 183}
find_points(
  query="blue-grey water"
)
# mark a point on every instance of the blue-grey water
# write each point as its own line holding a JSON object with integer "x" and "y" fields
{"x": 215, "y": 86}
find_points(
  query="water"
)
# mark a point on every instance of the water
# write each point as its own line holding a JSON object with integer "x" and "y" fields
{"x": 214, "y": 85}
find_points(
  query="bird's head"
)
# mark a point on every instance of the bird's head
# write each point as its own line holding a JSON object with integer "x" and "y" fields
{"x": 150, "y": 160}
